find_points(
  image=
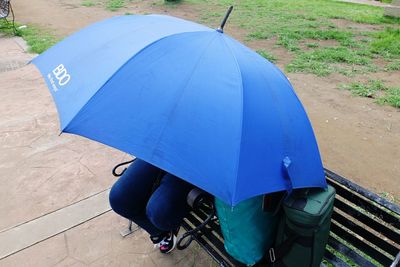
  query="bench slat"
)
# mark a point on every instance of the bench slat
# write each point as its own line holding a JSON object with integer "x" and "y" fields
{"x": 336, "y": 261}
{"x": 207, "y": 247}
{"x": 210, "y": 235}
{"x": 353, "y": 198}
{"x": 367, "y": 249}
{"x": 362, "y": 191}
{"x": 365, "y": 233}
{"x": 348, "y": 252}
{"x": 382, "y": 229}
{"x": 203, "y": 215}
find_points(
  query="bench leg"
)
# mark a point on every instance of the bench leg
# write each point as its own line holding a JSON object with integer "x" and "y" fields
{"x": 129, "y": 230}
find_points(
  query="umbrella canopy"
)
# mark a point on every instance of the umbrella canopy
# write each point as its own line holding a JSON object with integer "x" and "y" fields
{"x": 188, "y": 99}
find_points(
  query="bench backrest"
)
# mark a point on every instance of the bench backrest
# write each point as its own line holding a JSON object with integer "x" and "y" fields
{"x": 365, "y": 228}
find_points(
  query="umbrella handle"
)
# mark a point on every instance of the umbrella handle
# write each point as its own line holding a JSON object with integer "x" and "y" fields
{"x": 221, "y": 28}
{"x": 114, "y": 170}
{"x": 195, "y": 200}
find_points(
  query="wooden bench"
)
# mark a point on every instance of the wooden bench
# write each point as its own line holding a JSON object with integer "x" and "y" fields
{"x": 365, "y": 229}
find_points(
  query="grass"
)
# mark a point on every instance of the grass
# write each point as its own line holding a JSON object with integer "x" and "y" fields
{"x": 114, "y": 5}
{"x": 320, "y": 61}
{"x": 369, "y": 89}
{"x": 312, "y": 45}
{"x": 267, "y": 55}
{"x": 393, "y": 66}
{"x": 387, "y": 43}
{"x": 376, "y": 89}
{"x": 38, "y": 39}
{"x": 392, "y": 97}
{"x": 88, "y": 3}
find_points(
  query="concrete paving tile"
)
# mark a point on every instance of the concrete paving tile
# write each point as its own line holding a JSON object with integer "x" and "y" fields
{"x": 37, "y": 190}
{"x": 8, "y": 157}
{"x": 7, "y": 65}
{"x": 92, "y": 240}
{"x": 18, "y": 139}
{"x": 46, "y": 253}
{"x": 27, "y": 234}
{"x": 125, "y": 259}
{"x": 27, "y": 123}
{"x": 98, "y": 243}
{"x": 69, "y": 262}
{"x": 192, "y": 256}
{"x": 41, "y": 170}
{"x": 138, "y": 242}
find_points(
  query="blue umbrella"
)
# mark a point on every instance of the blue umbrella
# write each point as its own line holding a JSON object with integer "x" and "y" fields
{"x": 188, "y": 99}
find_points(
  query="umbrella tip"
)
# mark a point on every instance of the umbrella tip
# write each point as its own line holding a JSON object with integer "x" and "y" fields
{"x": 221, "y": 28}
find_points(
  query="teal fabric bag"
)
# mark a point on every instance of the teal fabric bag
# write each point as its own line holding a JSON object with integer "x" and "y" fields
{"x": 248, "y": 231}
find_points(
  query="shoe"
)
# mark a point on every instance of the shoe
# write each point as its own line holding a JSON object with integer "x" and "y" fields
{"x": 168, "y": 243}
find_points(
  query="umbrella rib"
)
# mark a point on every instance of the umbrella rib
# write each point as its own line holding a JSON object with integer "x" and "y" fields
{"x": 181, "y": 94}
{"x": 241, "y": 122}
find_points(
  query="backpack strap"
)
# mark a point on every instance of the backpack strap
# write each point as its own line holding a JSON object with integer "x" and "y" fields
{"x": 275, "y": 254}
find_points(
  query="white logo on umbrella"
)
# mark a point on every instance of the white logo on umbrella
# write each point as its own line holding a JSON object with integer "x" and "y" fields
{"x": 61, "y": 74}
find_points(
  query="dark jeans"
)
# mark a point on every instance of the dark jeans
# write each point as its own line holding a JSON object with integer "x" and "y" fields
{"x": 156, "y": 212}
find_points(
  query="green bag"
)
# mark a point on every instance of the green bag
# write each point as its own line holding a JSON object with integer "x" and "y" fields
{"x": 248, "y": 231}
{"x": 303, "y": 229}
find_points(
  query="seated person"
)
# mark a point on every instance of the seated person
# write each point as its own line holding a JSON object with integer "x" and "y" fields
{"x": 159, "y": 210}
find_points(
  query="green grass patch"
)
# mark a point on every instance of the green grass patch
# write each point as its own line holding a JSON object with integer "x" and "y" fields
{"x": 88, "y": 3}
{"x": 38, "y": 39}
{"x": 114, "y": 5}
{"x": 391, "y": 97}
{"x": 393, "y": 66}
{"x": 267, "y": 55}
{"x": 312, "y": 45}
{"x": 259, "y": 35}
{"x": 375, "y": 89}
{"x": 387, "y": 42}
{"x": 323, "y": 61}
{"x": 317, "y": 68}
{"x": 369, "y": 89}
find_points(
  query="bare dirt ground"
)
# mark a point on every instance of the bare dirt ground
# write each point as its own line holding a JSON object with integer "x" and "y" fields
{"x": 357, "y": 138}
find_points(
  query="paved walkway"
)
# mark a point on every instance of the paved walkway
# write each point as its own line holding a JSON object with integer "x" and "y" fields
{"x": 54, "y": 189}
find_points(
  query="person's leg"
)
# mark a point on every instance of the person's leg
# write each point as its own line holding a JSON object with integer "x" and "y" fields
{"x": 167, "y": 205}
{"x": 130, "y": 194}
